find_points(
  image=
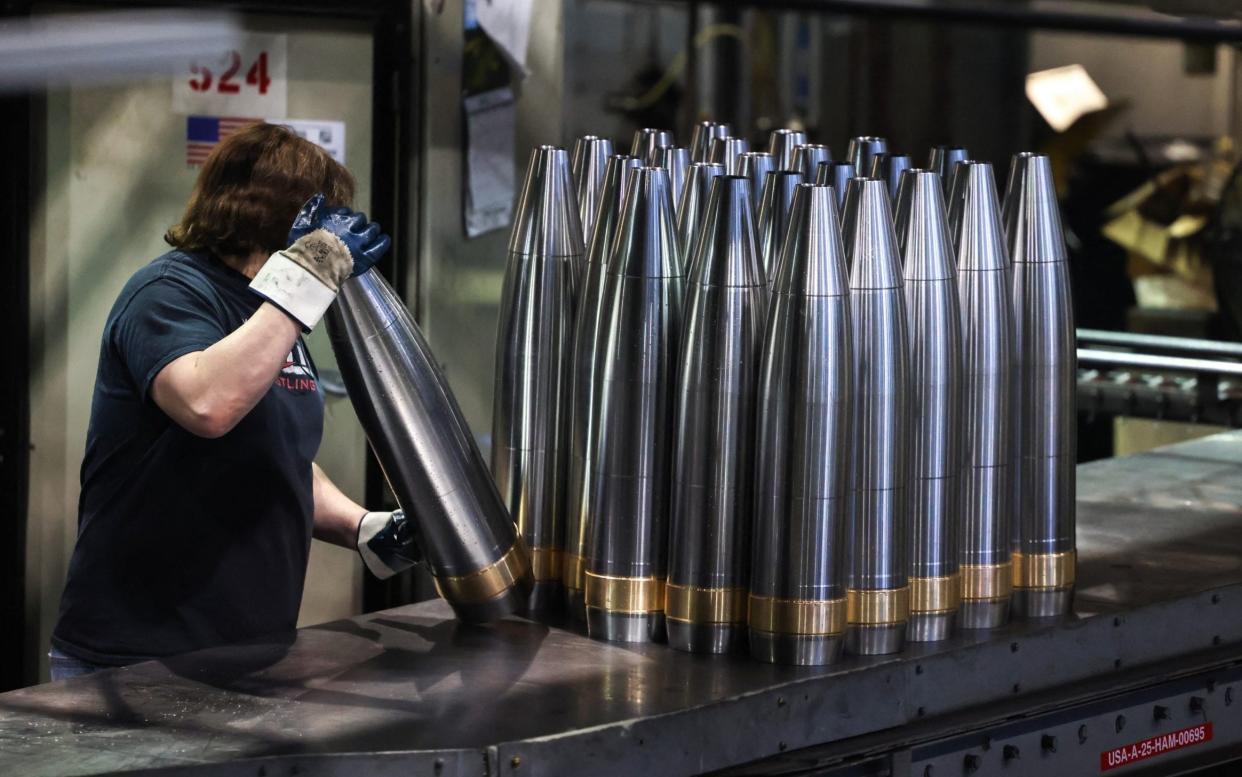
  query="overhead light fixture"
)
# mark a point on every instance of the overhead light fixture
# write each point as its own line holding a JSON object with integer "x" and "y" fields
{"x": 1063, "y": 94}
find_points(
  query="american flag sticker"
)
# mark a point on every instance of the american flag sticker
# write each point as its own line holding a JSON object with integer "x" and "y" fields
{"x": 202, "y": 133}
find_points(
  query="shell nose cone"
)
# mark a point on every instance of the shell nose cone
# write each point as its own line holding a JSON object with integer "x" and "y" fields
{"x": 837, "y": 175}
{"x": 641, "y": 139}
{"x": 692, "y": 206}
{"x": 807, "y": 157}
{"x": 781, "y": 145}
{"x": 701, "y": 138}
{"x": 725, "y": 151}
{"x": 863, "y": 149}
{"x": 923, "y": 229}
{"x": 943, "y": 159}
{"x": 756, "y": 165}
{"x": 1030, "y": 216}
{"x": 725, "y": 253}
{"x": 870, "y": 243}
{"x": 588, "y": 150}
{"x": 646, "y": 241}
{"x": 980, "y": 242}
{"x": 676, "y": 160}
{"x": 648, "y": 142}
{"x": 589, "y": 164}
{"x": 774, "y": 206}
{"x": 546, "y": 222}
{"x": 812, "y": 258}
{"x": 888, "y": 168}
{"x": 604, "y": 224}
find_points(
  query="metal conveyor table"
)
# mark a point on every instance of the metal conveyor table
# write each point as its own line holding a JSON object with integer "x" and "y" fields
{"x": 1147, "y": 676}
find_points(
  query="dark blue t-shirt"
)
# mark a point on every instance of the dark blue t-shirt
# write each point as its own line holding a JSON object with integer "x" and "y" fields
{"x": 185, "y": 542}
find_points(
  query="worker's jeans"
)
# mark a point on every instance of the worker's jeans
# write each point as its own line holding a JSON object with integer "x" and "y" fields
{"x": 66, "y": 667}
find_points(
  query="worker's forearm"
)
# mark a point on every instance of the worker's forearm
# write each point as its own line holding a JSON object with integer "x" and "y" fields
{"x": 336, "y": 515}
{"x": 241, "y": 367}
{"x": 208, "y": 392}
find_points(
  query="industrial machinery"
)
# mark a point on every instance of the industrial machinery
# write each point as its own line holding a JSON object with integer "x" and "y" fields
{"x": 1152, "y": 376}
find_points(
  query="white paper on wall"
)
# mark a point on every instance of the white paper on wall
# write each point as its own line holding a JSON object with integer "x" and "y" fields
{"x": 507, "y": 22}
{"x": 328, "y": 135}
{"x": 489, "y": 190}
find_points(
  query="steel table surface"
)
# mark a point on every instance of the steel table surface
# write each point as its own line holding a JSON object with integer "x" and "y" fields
{"x": 410, "y": 691}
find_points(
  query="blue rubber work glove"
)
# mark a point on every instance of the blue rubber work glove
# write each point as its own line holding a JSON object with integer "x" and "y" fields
{"x": 326, "y": 248}
{"x": 366, "y": 243}
{"x": 386, "y": 543}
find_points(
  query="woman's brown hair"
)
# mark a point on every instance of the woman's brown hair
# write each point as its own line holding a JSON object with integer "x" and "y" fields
{"x": 251, "y": 187}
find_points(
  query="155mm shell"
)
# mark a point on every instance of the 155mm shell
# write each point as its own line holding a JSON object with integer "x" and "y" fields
{"x": 637, "y": 358}
{"x": 879, "y": 592}
{"x": 987, "y": 476}
{"x": 705, "y": 600}
{"x": 1045, "y": 556}
{"x": 530, "y": 419}
{"x": 806, "y": 386}
{"x": 420, "y": 437}
{"x": 584, "y": 393}
{"x": 934, "y": 322}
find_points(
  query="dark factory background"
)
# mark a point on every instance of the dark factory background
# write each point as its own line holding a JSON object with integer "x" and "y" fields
{"x": 96, "y": 170}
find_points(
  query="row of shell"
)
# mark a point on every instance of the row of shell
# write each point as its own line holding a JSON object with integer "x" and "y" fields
{"x": 729, "y": 413}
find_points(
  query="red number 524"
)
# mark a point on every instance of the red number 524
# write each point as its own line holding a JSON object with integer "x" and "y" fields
{"x": 203, "y": 80}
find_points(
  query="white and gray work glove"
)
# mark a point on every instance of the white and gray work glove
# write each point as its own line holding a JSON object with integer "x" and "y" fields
{"x": 386, "y": 543}
{"x": 327, "y": 246}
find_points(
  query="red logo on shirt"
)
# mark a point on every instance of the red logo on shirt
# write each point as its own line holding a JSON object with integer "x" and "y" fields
{"x": 296, "y": 375}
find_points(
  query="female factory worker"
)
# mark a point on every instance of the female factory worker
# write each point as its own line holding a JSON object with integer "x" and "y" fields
{"x": 199, "y": 490}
